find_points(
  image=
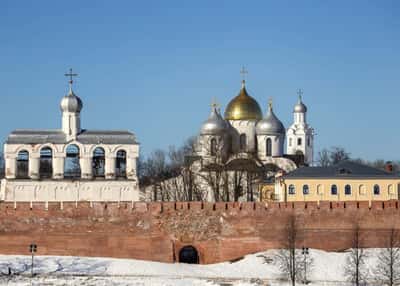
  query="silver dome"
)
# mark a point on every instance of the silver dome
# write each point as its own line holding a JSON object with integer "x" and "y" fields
{"x": 300, "y": 107}
{"x": 215, "y": 124}
{"x": 270, "y": 125}
{"x": 71, "y": 103}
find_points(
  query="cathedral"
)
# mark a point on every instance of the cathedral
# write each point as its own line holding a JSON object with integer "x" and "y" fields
{"x": 70, "y": 164}
{"x": 245, "y": 142}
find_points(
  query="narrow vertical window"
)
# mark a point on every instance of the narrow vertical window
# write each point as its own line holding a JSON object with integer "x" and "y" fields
{"x": 306, "y": 190}
{"x": 377, "y": 190}
{"x": 347, "y": 190}
{"x": 269, "y": 147}
{"x": 290, "y": 142}
{"x": 242, "y": 142}
{"x": 213, "y": 146}
{"x": 299, "y": 141}
{"x": 333, "y": 190}
{"x": 292, "y": 190}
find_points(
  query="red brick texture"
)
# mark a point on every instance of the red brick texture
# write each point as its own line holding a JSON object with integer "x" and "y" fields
{"x": 157, "y": 231}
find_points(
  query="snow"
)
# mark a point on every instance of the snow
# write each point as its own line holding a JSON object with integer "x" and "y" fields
{"x": 251, "y": 270}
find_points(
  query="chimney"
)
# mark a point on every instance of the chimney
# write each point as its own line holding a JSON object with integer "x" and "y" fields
{"x": 389, "y": 166}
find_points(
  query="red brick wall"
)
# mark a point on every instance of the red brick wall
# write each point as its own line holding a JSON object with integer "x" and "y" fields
{"x": 157, "y": 231}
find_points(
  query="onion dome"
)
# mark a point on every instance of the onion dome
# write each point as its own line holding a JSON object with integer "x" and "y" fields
{"x": 243, "y": 107}
{"x": 270, "y": 125}
{"x": 215, "y": 124}
{"x": 300, "y": 107}
{"x": 71, "y": 102}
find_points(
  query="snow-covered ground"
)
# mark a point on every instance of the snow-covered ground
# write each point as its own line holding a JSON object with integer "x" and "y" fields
{"x": 251, "y": 270}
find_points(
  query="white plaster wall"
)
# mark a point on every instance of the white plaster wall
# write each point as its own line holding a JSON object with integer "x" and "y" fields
{"x": 277, "y": 142}
{"x": 68, "y": 191}
{"x": 247, "y": 127}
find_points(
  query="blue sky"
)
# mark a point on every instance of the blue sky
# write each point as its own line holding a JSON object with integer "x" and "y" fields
{"x": 153, "y": 67}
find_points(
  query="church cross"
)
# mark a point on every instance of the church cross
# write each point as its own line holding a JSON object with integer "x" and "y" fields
{"x": 71, "y": 75}
{"x": 243, "y": 72}
{"x": 214, "y": 103}
{"x": 300, "y": 93}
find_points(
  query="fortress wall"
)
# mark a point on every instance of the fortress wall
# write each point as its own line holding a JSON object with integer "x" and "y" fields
{"x": 219, "y": 231}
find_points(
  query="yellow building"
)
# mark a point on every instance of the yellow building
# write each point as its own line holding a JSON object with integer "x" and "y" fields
{"x": 346, "y": 181}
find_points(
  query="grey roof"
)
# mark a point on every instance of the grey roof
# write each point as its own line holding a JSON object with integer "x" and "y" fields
{"x": 71, "y": 102}
{"x": 345, "y": 169}
{"x": 27, "y": 136}
{"x": 270, "y": 125}
{"x": 215, "y": 124}
{"x": 300, "y": 106}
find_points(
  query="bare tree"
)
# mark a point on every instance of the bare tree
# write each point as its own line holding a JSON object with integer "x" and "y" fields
{"x": 355, "y": 268}
{"x": 388, "y": 268}
{"x": 338, "y": 154}
{"x": 290, "y": 259}
{"x": 327, "y": 157}
{"x": 323, "y": 159}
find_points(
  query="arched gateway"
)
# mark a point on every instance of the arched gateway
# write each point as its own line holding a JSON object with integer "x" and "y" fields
{"x": 189, "y": 254}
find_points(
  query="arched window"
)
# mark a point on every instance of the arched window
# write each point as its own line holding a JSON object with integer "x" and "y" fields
{"x": 72, "y": 167}
{"x": 347, "y": 190}
{"x": 377, "y": 190}
{"x": 292, "y": 190}
{"x": 299, "y": 141}
{"x": 120, "y": 164}
{"x": 306, "y": 190}
{"x": 213, "y": 147}
{"x": 46, "y": 163}
{"x": 290, "y": 142}
{"x": 242, "y": 142}
{"x": 269, "y": 147}
{"x": 22, "y": 165}
{"x": 98, "y": 162}
{"x": 333, "y": 190}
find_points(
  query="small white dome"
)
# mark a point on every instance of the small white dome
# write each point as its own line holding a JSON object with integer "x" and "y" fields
{"x": 300, "y": 107}
{"x": 71, "y": 103}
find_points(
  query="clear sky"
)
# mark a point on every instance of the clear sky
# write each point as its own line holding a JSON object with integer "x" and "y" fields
{"x": 153, "y": 67}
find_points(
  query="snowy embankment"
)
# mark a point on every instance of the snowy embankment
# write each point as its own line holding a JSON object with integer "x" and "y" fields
{"x": 255, "y": 269}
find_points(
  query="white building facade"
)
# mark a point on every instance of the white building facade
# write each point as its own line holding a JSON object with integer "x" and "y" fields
{"x": 300, "y": 134}
{"x": 70, "y": 164}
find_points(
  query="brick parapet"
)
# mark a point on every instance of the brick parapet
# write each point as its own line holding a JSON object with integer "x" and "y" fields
{"x": 157, "y": 230}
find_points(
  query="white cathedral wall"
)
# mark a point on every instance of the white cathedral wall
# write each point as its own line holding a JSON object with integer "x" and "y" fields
{"x": 276, "y": 144}
{"x": 69, "y": 191}
{"x": 247, "y": 127}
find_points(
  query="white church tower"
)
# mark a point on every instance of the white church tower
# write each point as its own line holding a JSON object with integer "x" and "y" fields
{"x": 300, "y": 135}
{"x": 71, "y": 107}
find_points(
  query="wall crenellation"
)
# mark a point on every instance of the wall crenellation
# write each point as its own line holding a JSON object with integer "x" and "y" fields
{"x": 161, "y": 207}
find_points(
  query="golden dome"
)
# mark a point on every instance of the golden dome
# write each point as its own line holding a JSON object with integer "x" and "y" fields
{"x": 243, "y": 107}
